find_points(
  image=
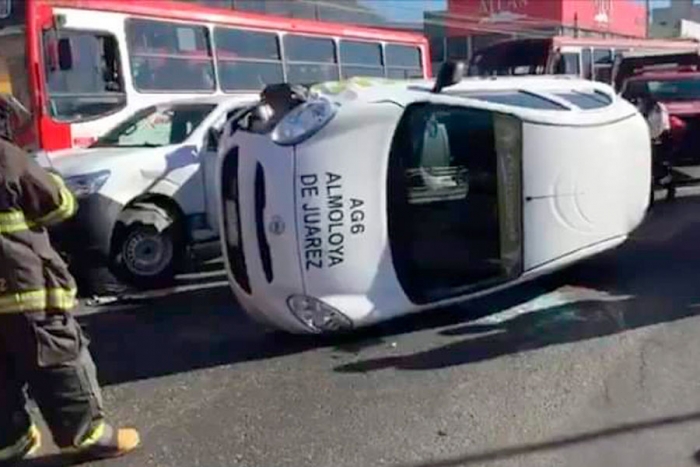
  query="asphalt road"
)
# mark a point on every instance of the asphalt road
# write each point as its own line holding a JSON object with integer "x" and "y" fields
{"x": 597, "y": 365}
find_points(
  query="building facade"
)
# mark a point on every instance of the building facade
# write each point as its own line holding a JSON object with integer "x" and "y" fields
{"x": 468, "y": 25}
{"x": 667, "y": 21}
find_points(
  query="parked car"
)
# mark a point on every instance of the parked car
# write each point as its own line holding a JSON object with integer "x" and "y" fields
{"x": 146, "y": 193}
{"x": 666, "y": 89}
{"x": 355, "y": 202}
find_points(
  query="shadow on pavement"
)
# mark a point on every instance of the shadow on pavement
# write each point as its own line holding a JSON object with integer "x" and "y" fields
{"x": 179, "y": 333}
{"x": 654, "y": 276}
{"x": 559, "y": 443}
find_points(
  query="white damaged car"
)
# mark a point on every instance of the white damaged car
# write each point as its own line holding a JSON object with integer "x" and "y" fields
{"x": 356, "y": 202}
{"x": 146, "y": 192}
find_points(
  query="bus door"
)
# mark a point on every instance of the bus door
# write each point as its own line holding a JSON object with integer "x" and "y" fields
{"x": 602, "y": 64}
{"x": 568, "y": 61}
{"x": 454, "y": 194}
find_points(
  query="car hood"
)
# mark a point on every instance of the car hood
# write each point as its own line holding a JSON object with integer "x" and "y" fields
{"x": 682, "y": 107}
{"x": 72, "y": 162}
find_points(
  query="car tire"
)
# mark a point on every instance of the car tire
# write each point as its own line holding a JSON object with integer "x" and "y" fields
{"x": 148, "y": 246}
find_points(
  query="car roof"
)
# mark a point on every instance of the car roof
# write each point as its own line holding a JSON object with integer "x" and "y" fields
{"x": 470, "y": 92}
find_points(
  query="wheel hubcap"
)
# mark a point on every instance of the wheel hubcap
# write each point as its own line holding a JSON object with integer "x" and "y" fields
{"x": 147, "y": 254}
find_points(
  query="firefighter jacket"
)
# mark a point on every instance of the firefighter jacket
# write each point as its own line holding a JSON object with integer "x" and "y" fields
{"x": 33, "y": 277}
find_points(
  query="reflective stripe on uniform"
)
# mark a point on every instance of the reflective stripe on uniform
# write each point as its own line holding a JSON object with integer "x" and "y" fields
{"x": 94, "y": 436}
{"x": 38, "y": 300}
{"x": 14, "y": 221}
{"x": 65, "y": 210}
{"x": 26, "y": 445}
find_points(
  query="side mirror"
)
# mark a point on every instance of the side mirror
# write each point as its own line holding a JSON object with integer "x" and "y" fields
{"x": 65, "y": 54}
{"x": 212, "y": 141}
{"x": 450, "y": 74}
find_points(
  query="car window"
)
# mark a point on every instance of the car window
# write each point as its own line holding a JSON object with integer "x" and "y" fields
{"x": 516, "y": 98}
{"x": 585, "y": 100}
{"x": 157, "y": 126}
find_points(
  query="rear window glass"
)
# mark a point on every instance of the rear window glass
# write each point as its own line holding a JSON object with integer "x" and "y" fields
{"x": 585, "y": 100}
{"x": 515, "y": 98}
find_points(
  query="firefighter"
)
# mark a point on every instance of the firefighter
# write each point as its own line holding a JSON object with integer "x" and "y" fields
{"x": 42, "y": 347}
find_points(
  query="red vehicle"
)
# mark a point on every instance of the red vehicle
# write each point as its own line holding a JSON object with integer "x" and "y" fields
{"x": 81, "y": 66}
{"x": 586, "y": 57}
{"x": 666, "y": 88}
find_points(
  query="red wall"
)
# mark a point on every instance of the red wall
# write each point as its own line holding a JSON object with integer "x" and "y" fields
{"x": 626, "y": 17}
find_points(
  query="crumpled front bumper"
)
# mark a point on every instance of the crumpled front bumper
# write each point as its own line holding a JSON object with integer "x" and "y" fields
{"x": 85, "y": 239}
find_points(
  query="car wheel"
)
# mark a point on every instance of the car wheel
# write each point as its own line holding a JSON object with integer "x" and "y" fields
{"x": 148, "y": 247}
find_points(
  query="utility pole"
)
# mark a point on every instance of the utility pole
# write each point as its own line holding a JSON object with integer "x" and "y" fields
{"x": 648, "y": 17}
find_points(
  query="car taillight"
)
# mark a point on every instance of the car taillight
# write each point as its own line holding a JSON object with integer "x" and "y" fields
{"x": 678, "y": 126}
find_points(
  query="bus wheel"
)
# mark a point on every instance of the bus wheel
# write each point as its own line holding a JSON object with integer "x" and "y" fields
{"x": 148, "y": 245}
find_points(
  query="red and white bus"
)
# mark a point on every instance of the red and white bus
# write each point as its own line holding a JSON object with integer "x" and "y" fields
{"x": 587, "y": 57}
{"x": 81, "y": 66}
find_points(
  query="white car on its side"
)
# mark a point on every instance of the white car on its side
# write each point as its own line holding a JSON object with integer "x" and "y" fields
{"x": 364, "y": 200}
{"x": 146, "y": 191}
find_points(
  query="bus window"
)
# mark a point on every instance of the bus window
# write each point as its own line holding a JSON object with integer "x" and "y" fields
{"x": 602, "y": 65}
{"x": 403, "y": 62}
{"x": 170, "y": 56}
{"x": 568, "y": 64}
{"x": 361, "y": 59}
{"x": 247, "y": 60}
{"x": 586, "y": 62}
{"x": 310, "y": 59}
{"x": 83, "y": 75}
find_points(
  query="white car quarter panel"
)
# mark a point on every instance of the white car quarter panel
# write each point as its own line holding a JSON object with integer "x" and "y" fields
{"x": 341, "y": 212}
{"x": 582, "y": 185}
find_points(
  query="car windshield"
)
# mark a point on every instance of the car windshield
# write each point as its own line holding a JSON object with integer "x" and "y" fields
{"x": 157, "y": 126}
{"x": 666, "y": 89}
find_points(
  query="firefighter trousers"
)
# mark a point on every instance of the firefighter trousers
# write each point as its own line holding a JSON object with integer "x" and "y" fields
{"x": 47, "y": 354}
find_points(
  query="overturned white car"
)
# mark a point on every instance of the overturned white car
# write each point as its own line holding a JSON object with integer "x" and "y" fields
{"x": 359, "y": 201}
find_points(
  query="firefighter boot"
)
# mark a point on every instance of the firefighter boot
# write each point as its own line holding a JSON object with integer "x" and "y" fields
{"x": 105, "y": 442}
{"x": 24, "y": 448}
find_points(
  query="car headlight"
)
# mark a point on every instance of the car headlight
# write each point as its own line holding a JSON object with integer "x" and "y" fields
{"x": 317, "y": 315}
{"x": 42, "y": 158}
{"x": 303, "y": 121}
{"x": 87, "y": 184}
